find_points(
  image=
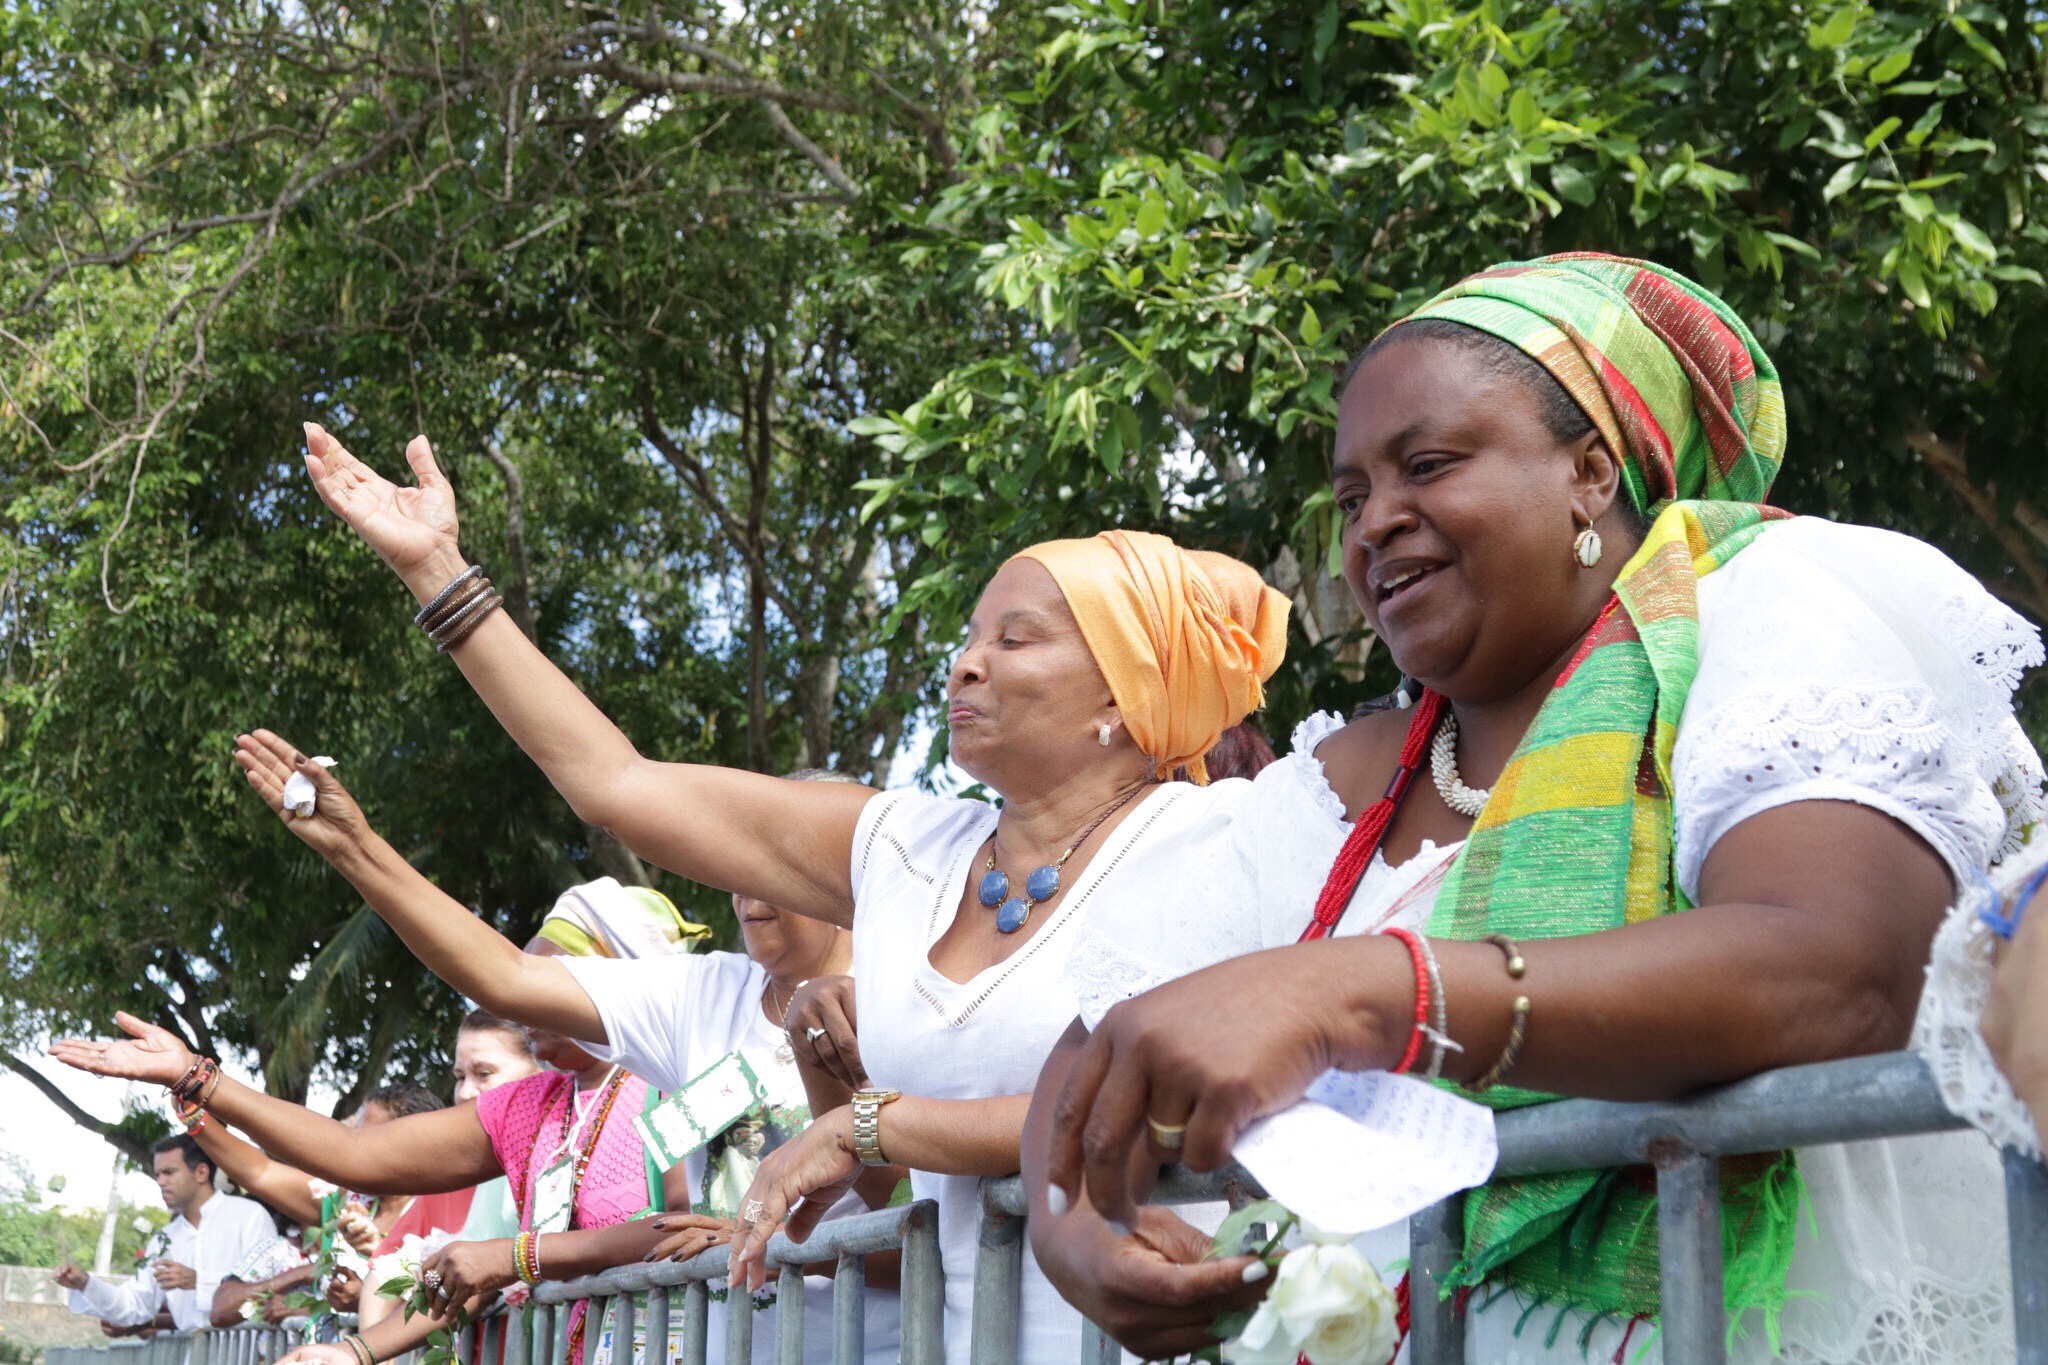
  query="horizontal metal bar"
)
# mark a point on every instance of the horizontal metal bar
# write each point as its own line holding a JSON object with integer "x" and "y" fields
{"x": 861, "y": 1235}
{"x": 1889, "y": 1095}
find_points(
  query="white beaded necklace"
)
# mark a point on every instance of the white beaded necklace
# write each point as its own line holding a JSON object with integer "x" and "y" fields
{"x": 1443, "y": 766}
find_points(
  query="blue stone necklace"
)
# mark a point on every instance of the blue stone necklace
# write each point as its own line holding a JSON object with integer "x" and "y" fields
{"x": 1013, "y": 912}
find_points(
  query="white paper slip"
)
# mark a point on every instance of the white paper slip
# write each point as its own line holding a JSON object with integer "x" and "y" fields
{"x": 300, "y": 795}
{"x": 1367, "y": 1149}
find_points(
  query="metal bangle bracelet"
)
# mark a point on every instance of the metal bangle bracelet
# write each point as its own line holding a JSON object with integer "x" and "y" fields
{"x": 420, "y": 617}
{"x": 460, "y": 625}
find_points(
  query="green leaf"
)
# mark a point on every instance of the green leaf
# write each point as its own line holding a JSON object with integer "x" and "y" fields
{"x": 1835, "y": 31}
{"x": 1842, "y": 181}
{"x": 872, "y": 426}
{"x": 1880, "y": 133}
{"x": 1972, "y": 239}
{"x": 1522, "y": 112}
{"x": 1151, "y": 220}
{"x": 1916, "y": 206}
{"x": 1311, "y": 325}
{"x": 1231, "y": 1233}
{"x": 1572, "y": 184}
{"x": 1892, "y": 65}
{"x": 1914, "y": 282}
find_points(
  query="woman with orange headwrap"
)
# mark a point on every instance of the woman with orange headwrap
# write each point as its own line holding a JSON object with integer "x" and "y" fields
{"x": 1092, "y": 670}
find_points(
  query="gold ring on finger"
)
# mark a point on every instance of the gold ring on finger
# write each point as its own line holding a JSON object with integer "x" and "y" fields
{"x": 1169, "y": 1136}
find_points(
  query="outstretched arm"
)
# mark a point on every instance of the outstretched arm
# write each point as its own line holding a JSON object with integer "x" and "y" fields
{"x": 446, "y": 1149}
{"x": 285, "y": 1188}
{"x": 453, "y": 944}
{"x": 786, "y": 843}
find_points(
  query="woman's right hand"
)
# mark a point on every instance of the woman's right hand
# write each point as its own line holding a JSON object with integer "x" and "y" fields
{"x": 1154, "y": 1290}
{"x": 148, "y": 1053}
{"x": 344, "y": 1291}
{"x": 411, "y": 529}
{"x": 357, "y": 1227}
{"x": 826, "y": 1003}
{"x": 336, "y": 825}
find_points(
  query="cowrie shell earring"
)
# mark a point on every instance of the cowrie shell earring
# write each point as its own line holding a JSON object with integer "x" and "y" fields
{"x": 1102, "y": 736}
{"x": 1586, "y": 548}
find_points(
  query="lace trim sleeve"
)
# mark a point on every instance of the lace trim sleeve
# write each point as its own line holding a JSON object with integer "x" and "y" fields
{"x": 1945, "y": 1033}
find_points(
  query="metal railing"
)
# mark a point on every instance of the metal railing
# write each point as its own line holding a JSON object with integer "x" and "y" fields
{"x": 540, "y": 1336}
{"x": 1892, "y": 1095}
{"x": 1683, "y": 1141}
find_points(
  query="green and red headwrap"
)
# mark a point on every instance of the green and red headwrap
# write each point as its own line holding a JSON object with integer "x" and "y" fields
{"x": 1672, "y": 378}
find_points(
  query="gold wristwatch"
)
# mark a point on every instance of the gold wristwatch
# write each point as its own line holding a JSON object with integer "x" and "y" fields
{"x": 867, "y": 1123}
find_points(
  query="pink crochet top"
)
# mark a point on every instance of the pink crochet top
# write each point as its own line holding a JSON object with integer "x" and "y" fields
{"x": 527, "y": 1122}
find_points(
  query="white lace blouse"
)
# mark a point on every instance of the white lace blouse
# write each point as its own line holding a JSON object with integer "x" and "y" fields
{"x": 1836, "y": 663}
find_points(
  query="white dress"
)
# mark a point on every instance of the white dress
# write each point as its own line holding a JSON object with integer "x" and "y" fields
{"x": 1836, "y": 663}
{"x": 667, "y": 1020}
{"x": 925, "y": 1034}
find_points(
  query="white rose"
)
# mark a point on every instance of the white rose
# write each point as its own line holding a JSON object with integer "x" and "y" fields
{"x": 318, "y": 1188}
{"x": 251, "y": 1309}
{"x": 1333, "y": 1306}
{"x": 1264, "y": 1340}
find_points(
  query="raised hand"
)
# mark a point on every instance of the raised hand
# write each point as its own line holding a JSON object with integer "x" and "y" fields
{"x": 407, "y": 527}
{"x": 336, "y": 827}
{"x": 148, "y": 1053}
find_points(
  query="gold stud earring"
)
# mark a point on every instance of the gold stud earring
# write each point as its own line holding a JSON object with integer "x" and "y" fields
{"x": 1586, "y": 547}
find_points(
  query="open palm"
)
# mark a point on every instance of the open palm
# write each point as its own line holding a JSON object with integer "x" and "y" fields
{"x": 148, "y": 1053}
{"x": 403, "y": 525}
{"x": 336, "y": 825}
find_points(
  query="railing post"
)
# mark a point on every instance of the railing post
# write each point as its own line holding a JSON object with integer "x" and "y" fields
{"x": 1695, "y": 1322}
{"x": 2026, "y": 1214}
{"x": 1436, "y": 1242}
{"x": 696, "y": 1322}
{"x": 1099, "y": 1347}
{"x": 200, "y": 1348}
{"x": 564, "y": 1325}
{"x": 998, "y": 1281}
{"x": 789, "y": 1325}
{"x": 623, "y": 1316}
{"x": 924, "y": 1290}
{"x": 850, "y": 1310}
{"x": 516, "y": 1323}
{"x": 739, "y": 1322}
{"x": 657, "y": 1326}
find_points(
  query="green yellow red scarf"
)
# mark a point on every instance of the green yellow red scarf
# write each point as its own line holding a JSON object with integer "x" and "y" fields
{"x": 1577, "y": 834}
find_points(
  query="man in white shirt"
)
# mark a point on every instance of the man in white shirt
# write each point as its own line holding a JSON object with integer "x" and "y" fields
{"x": 208, "y": 1236}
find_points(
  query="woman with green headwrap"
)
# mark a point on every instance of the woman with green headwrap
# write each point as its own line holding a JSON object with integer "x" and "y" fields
{"x": 1637, "y": 691}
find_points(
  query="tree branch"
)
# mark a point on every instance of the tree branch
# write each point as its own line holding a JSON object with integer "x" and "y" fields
{"x": 1949, "y": 460}
{"x": 135, "y": 1151}
{"x": 519, "y": 585}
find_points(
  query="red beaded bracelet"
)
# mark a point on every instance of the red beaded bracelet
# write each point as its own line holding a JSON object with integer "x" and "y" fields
{"x": 1421, "y": 1029}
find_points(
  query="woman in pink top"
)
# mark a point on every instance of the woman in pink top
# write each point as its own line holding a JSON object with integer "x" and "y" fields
{"x": 564, "y": 1138}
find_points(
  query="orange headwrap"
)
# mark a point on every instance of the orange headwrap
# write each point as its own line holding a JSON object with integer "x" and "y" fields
{"x": 1185, "y": 638}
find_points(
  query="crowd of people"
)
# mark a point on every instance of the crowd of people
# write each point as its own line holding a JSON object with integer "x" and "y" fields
{"x": 1709, "y": 785}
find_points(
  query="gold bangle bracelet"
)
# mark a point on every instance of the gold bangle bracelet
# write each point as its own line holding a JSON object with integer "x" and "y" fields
{"x": 1518, "y": 1026}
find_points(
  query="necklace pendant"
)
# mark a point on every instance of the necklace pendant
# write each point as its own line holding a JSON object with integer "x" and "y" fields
{"x": 1043, "y": 883}
{"x": 1013, "y": 915}
{"x": 994, "y": 889}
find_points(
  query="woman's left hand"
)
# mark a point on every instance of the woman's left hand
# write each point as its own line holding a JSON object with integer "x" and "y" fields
{"x": 465, "y": 1270}
{"x": 344, "y": 1290}
{"x": 688, "y": 1235}
{"x": 807, "y": 1174}
{"x": 1178, "y": 1055}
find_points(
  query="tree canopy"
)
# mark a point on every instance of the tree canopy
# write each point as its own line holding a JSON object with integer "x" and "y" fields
{"x": 755, "y": 336}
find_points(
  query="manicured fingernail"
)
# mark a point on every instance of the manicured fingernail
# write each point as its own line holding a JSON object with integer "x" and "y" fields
{"x": 1118, "y": 1228}
{"x": 1256, "y": 1271}
{"x": 1056, "y": 1201}
{"x": 298, "y": 759}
